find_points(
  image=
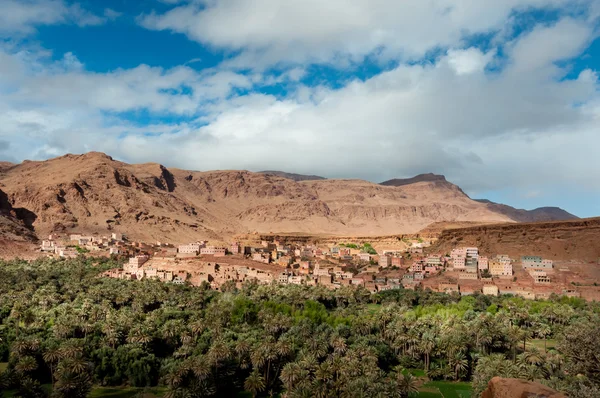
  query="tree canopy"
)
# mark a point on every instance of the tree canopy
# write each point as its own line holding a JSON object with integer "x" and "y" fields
{"x": 62, "y": 325}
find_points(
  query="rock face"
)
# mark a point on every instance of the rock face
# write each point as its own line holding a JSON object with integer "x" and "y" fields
{"x": 515, "y": 388}
{"x": 14, "y": 223}
{"x": 92, "y": 193}
{"x": 557, "y": 240}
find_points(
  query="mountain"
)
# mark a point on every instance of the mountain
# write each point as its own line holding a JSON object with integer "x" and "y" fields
{"x": 93, "y": 193}
{"x": 292, "y": 176}
{"x": 521, "y": 215}
{"x": 517, "y": 215}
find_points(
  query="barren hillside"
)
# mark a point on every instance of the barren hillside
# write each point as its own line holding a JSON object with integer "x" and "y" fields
{"x": 94, "y": 193}
{"x": 557, "y": 240}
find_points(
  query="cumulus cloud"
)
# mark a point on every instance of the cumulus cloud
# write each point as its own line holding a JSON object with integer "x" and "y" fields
{"x": 297, "y": 31}
{"x": 22, "y": 16}
{"x": 448, "y": 116}
{"x": 468, "y": 61}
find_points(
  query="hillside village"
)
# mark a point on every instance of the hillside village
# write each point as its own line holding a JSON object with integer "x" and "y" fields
{"x": 465, "y": 270}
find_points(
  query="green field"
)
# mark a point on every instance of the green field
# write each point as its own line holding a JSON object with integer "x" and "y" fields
{"x": 445, "y": 389}
{"x": 417, "y": 372}
{"x": 539, "y": 344}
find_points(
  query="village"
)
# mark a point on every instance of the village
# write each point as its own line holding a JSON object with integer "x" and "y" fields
{"x": 463, "y": 271}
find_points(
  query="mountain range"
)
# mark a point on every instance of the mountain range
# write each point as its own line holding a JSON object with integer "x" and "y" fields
{"x": 93, "y": 193}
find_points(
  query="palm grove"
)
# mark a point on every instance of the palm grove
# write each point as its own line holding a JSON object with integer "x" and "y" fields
{"x": 65, "y": 327}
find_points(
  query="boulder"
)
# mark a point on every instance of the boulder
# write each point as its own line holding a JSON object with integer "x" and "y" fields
{"x": 500, "y": 387}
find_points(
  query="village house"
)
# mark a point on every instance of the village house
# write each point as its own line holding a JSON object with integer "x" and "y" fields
{"x": 190, "y": 249}
{"x": 358, "y": 281}
{"x": 466, "y": 275}
{"x": 325, "y": 280}
{"x": 67, "y": 253}
{"x": 135, "y": 263}
{"x": 322, "y": 271}
{"x": 417, "y": 266}
{"x": 364, "y": 257}
{"x": 397, "y": 261}
{"x": 490, "y": 290}
{"x": 283, "y": 278}
{"x": 284, "y": 261}
{"x": 472, "y": 252}
{"x": 448, "y": 288}
{"x": 48, "y": 246}
{"x": 482, "y": 263}
{"x": 501, "y": 266}
{"x": 262, "y": 257}
{"x": 213, "y": 251}
{"x": 435, "y": 261}
{"x": 468, "y": 290}
{"x": 385, "y": 261}
{"x": 431, "y": 270}
{"x": 459, "y": 263}
{"x": 539, "y": 277}
{"x": 235, "y": 248}
{"x": 371, "y": 287}
{"x": 344, "y": 252}
{"x": 458, "y": 252}
{"x": 295, "y": 280}
{"x": 536, "y": 262}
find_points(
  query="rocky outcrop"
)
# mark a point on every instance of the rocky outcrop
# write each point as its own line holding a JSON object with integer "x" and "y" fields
{"x": 500, "y": 387}
{"x": 557, "y": 240}
{"x": 15, "y": 223}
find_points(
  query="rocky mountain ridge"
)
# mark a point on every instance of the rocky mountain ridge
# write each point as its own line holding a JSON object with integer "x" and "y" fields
{"x": 94, "y": 193}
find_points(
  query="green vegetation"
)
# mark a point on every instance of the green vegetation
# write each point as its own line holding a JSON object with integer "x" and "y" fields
{"x": 449, "y": 389}
{"x": 81, "y": 250}
{"x": 367, "y": 248}
{"x": 67, "y": 333}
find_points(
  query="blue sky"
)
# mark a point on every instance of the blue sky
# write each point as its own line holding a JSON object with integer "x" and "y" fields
{"x": 501, "y": 97}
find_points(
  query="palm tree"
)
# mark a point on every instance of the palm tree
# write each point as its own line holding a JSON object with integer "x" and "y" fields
{"x": 426, "y": 347}
{"x": 254, "y": 383}
{"x": 407, "y": 383}
{"x": 289, "y": 375}
{"x": 51, "y": 357}
{"x": 544, "y": 331}
{"x": 459, "y": 363}
{"x": 26, "y": 364}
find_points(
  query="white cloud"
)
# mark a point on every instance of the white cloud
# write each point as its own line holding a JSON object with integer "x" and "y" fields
{"x": 449, "y": 117}
{"x": 468, "y": 61}
{"x": 298, "y": 31}
{"x": 547, "y": 44}
{"x": 22, "y": 16}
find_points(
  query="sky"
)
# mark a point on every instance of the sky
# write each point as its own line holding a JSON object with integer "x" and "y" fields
{"x": 502, "y": 97}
